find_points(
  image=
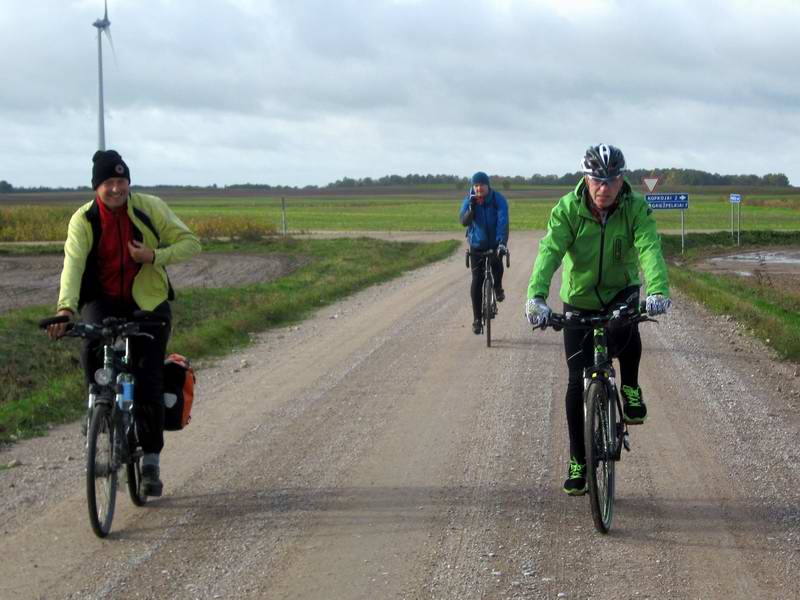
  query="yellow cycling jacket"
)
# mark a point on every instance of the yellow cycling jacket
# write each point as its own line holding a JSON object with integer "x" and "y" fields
{"x": 154, "y": 224}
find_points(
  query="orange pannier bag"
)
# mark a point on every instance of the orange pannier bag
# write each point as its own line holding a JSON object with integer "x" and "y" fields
{"x": 179, "y": 383}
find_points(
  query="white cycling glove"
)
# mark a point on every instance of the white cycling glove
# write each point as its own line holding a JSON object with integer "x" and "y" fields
{"x": 537, "y": 312}
{"x": 502, "y": 250}
{"x": 657, "y": 304}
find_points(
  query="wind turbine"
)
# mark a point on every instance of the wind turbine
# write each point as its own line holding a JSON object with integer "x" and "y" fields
{"x": 103, "y": 26}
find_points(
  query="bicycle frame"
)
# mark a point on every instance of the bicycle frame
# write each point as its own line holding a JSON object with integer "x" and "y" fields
{"x": 603, "y": 369}
{"x": 111, "y": 437}
{"x": 605, "y": 431}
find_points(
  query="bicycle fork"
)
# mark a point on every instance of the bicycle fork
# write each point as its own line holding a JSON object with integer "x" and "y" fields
{"x": 622, "y": 426}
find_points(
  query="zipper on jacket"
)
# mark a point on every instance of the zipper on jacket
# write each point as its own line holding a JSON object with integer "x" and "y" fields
{"x": 121, "y": 263}
{"x": 600, "y": 269}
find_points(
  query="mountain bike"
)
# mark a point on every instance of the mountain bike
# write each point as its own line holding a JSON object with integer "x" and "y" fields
{"x": 111, "y": 437}
{"x": 604, "y": 431}
{"x": 488, "y": 298}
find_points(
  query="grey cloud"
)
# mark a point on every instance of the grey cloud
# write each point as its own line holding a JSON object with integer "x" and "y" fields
{"x": 312, "y": 88}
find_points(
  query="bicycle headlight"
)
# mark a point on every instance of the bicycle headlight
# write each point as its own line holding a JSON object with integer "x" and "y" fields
{"x": 103, "y": 376}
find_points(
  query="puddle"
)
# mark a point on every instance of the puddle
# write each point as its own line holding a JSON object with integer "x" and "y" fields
{"x": 780, "y": 257}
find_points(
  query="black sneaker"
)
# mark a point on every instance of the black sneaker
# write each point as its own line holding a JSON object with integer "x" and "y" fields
{"x": 634, "y": 411}
{"x": 575, "y": 485}
{"x": 477, "y": 327}
{"x": 500, "y": 294}
{"x": 151, "y": 485}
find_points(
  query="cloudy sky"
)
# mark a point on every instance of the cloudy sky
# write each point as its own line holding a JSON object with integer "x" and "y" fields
{"x": 302, "y": 92}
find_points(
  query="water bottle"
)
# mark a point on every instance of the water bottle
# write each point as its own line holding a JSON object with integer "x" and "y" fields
{"x": 125, "y": 392}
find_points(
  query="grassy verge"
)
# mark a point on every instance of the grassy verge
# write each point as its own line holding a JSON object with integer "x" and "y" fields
{"x": 770, "y": 312}
{"x": 41, "y": 381}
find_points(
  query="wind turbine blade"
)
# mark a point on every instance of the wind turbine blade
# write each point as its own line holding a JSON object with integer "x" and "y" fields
{"x": 111, "y": 41}
{"x": 105, "y": 17}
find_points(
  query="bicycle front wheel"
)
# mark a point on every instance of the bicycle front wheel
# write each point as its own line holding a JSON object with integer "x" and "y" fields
{"x": 487, "y": 309}
{"x": 599, "y": 436}
{"x": 101, "y": 475}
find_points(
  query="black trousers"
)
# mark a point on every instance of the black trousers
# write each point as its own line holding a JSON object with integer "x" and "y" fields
{"x": 148, "y": 367}
{"x": 478, "y": 275}
{"x": 625, "y": 343}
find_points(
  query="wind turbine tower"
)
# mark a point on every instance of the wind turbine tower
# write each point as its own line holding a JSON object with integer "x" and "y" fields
{"x": 103, "y": 26}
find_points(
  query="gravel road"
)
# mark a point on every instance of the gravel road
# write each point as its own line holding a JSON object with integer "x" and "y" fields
{"x": 380, "y": 450}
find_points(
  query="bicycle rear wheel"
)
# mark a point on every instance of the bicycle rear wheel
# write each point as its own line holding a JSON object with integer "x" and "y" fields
{"x": 133, "y": 472}
{"x": 599, "y": 436}
{"x": 101, "y": 475}
{"x": 487, "y": 308}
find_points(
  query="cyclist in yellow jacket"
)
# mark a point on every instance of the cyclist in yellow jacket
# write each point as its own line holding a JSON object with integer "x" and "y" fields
{"x": 114, "y": 257}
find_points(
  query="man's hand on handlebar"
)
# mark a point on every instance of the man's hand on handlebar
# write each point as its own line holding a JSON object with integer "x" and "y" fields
{"x": 537, "y": 312}
{"x": 57, "y": 330}
{"x": 657, "y": 304}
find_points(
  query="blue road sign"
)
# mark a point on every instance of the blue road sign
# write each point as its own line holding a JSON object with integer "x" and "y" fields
{"x": 664, "y": 201}
{"x": 736, "y": 198}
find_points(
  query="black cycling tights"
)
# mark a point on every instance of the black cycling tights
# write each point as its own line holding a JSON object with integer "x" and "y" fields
{"x": 476, "y": 288}
{"x": 626, "y": 345}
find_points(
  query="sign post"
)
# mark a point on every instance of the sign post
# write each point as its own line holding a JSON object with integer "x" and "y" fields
{"x": 671, "y": 201}
{"x": 736, "y": 199}
{"x": 283, "y": 214}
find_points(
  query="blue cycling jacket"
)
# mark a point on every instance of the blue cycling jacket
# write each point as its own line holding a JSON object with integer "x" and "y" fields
{"x": 488, "y": 227}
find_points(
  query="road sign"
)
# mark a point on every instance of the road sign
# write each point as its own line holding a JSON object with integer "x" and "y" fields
{"x": 736, "y": 198}
{"x": 667, "y": 201}
{"x": 650, "y": 183}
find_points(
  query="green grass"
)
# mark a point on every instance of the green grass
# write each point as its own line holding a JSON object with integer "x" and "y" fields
{"x": 419, "y": 213}
{"x": 773, "y": 316}
{"x": 698, "y": 245}
{"x": 42, "y": 383}
{"x": 417, "y": 210}
{"x": 770, "y": 312}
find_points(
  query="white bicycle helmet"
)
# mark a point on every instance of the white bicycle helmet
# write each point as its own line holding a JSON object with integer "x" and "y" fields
{"x": 603, "y": 162}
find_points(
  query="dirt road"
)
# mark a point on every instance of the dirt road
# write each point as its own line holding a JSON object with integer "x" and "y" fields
{"x": 380, "y": 450}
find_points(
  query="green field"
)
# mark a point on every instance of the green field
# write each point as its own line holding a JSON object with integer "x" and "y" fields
{"x": 418, "y": 210}
{"x": 415, "y": 213}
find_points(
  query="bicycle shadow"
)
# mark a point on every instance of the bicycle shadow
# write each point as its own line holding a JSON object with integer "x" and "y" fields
{"x": 246, "y": 513}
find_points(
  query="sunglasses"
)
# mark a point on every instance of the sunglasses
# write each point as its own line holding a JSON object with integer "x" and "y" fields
{"x": 605, "y": 180}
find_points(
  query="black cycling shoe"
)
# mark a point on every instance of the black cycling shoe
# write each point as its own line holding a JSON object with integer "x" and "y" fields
{"x": 151, "y": 485}
{"x": 477, "y": 327}
{"x": 634, "y": 411}
{"x": 500, "y": 294}
{"x": 575, "y": 485}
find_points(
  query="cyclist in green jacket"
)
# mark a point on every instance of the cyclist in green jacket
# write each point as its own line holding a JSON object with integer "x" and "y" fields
{"x": 603, "y": 232}
{"x": 114, "y": 257}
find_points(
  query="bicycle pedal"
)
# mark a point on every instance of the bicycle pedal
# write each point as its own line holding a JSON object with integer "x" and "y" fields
{"x": 626, "y": 443}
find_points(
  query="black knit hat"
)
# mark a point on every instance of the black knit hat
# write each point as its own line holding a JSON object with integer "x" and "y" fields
{"x": 108, "y": 164}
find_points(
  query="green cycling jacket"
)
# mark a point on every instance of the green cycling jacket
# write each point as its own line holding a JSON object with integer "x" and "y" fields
{"x": 154, "y": 224}
{"x": 600, "y": 260}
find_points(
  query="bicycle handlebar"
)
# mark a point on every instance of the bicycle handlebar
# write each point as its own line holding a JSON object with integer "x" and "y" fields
{"x": 624, "y": 314}
{"x": 484, "y": 253}
{"x": 111, "y": 327}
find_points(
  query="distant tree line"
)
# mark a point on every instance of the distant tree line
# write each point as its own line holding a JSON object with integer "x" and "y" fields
{"x": 666, "y": 177}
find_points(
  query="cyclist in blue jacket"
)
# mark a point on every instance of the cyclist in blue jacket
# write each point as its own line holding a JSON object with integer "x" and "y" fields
{"x": 484, "y": 212}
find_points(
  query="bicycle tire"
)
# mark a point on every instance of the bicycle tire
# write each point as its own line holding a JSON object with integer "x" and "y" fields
{"x": 101, "y": 476}
{"x": 599, "y": 427}
{"x": 487, "y": 309}
{"x": 133, "y": 473}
